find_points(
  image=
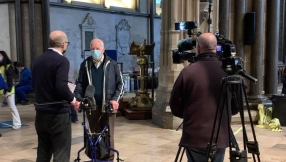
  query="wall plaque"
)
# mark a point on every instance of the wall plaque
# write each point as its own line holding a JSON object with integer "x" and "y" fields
{"x": 123, "y": 39}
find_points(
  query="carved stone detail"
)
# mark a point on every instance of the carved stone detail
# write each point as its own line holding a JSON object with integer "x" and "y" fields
{"x": 87, "y": 32}
{"x": 88, "y": 21}
{"x": 123, "y": 38}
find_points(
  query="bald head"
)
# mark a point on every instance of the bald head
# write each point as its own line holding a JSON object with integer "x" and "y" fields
{"x": 97, "y": 44}
{"x": 57, "y": 38}
{"x": 207, "y": 43}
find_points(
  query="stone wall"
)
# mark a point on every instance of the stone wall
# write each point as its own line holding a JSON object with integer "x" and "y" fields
{"x": 104, "y": 23}
{"x": 5, "y": 29}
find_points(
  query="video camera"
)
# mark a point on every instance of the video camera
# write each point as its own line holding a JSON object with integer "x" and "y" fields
{"x": 179, "y": 55}
{"x": 226, "y": 51}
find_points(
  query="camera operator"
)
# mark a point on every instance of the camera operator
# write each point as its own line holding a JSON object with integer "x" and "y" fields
{"x": 103, "y": 73}
{"x": 195, "y": 97}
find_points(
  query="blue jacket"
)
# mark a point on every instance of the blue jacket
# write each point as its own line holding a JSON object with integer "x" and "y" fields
{"x": 3, "y": 84}
{"x": 25, "y": 78}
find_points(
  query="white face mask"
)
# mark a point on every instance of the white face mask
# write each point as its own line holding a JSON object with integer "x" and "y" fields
{"x": 96, "y": 54}
{"x": 1, "y": 58}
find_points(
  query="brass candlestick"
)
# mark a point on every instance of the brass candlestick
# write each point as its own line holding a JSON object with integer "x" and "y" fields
{"x": 142, "y": 101}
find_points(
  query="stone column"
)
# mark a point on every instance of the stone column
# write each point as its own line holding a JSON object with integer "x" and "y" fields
{"x": 45, "y": 23}
{"x": 281, "y": 30}
{"x": 271, "y": 64}
{"x": 171, "y": 11}
{"x": 32, "y": 30}
{"x": 12, "y": 25}
{"x": 224, "y": 8}
{"x": 26, "y": 53}
{"x": 18, "y": 24}
{"x": 20, "y": 42}
{"x": 239, "y": 12}
{"x": 197, "y": 13}
{"x": 284, "y": 33}
{"x": 38, "y": 37}
{"x": 257, "y": 50}
{"x": 215, "y": 16}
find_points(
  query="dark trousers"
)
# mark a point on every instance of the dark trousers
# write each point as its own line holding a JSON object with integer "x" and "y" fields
{"x": 97, "y": 122}
{"x": 54, "y": 137}
{"x": 200, "y": 155}
{"x": 73, "y": 114}
{"x": 21, "y": 91}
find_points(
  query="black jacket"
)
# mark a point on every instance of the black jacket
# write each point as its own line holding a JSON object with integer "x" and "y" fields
{"x": 195, "y": 97}
{"x": 113, "y": 85}
{"x": 50, "y": 82}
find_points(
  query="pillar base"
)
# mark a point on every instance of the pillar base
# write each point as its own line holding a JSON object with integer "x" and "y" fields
{"x": 161, "y": 112}
{"x": 137, "y": 115}
{"x": 254, "y": 100}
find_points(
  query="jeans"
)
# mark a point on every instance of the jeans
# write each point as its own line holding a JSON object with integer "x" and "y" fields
{"x": 200, "y": 155}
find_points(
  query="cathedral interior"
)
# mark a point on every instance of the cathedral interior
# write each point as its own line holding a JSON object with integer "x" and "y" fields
{"x": 140, "y": 35}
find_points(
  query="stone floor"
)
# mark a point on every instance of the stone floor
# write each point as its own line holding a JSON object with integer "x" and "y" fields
{"x": 137, "y": 141}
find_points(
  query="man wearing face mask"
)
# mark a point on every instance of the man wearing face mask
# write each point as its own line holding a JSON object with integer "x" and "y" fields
{"x": 103, "y": 73}
{"x": 53, "y": 100}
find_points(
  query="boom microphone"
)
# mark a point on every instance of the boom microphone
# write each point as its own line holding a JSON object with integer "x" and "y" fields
{"x": 89, "y": 96}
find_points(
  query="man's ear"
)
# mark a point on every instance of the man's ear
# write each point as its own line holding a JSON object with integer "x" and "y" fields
{"x": 63, "y": 45}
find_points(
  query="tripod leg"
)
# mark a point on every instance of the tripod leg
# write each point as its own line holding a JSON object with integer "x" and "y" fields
{"x": 178, "y": 153}
{"x": 252, "y": 146}
{"x": 220, "y": 106}
{"x": 241, "y": 108}
{"x": 182, "y": 154}
{"x": 228, "y": 123}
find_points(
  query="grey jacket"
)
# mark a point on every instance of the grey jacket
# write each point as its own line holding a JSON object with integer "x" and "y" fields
{"x": 113, "y": 85}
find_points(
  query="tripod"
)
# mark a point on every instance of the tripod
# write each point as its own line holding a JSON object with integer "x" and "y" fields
{"x": 235, "y": 85}
{"x": 233, "y": 142}
{"x": 94, "y": 142}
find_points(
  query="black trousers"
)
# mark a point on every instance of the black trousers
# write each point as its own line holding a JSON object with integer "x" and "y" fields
{"x": 200, "y": 155}
{"x": 54, "y": 137}
{"x": 97, "y": 122}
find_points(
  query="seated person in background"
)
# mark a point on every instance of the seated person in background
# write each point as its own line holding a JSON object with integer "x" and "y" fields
{"x": 25, "y": 84}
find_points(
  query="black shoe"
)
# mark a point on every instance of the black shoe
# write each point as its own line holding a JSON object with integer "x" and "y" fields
{"x": 26, "y": 102}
